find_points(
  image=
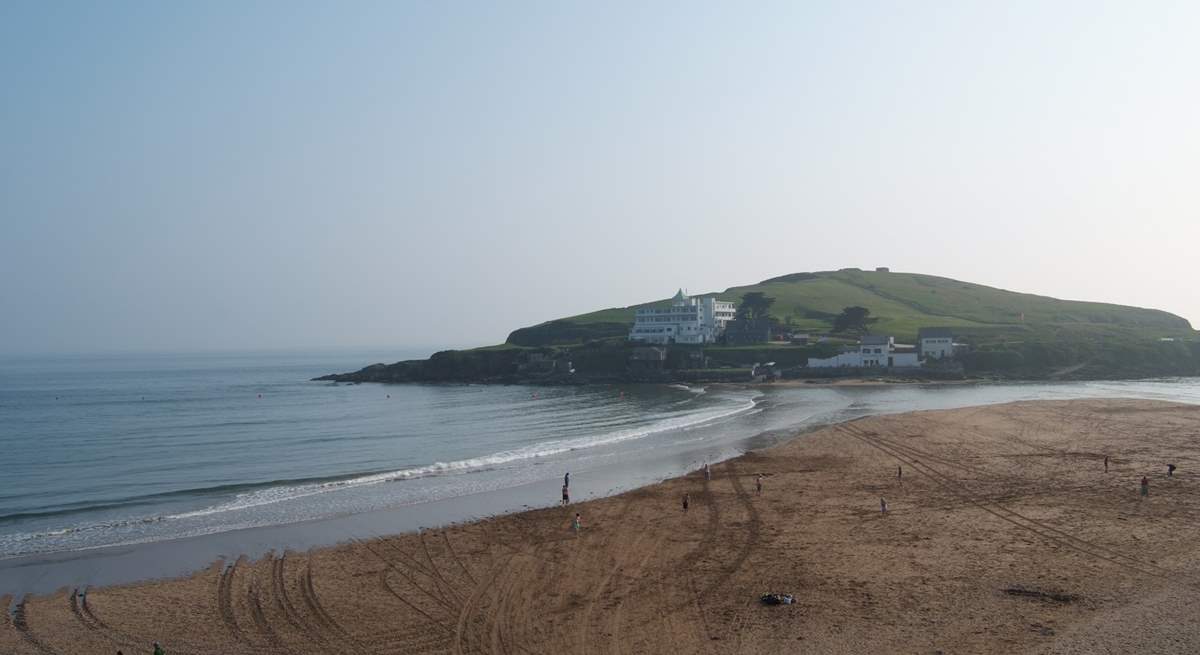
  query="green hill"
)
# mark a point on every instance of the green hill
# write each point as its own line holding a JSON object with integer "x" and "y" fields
{"x": 1006, "y": 335}
{"x": 900, "y": 303}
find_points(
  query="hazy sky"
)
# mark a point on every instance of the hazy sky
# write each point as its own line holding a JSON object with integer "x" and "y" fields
{"x": 230, "y": 175}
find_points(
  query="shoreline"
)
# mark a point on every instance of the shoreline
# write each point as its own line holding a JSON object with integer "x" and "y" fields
{"x": 132, "y": 563}
{"x": 999, "y": 504}
{"x": 181, "y": 557}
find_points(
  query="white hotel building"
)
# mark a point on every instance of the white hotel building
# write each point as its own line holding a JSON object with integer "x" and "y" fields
{"x": 687, "y": 320}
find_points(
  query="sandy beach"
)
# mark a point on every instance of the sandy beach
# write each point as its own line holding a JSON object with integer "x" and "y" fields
{"x": 1004, "y": 534}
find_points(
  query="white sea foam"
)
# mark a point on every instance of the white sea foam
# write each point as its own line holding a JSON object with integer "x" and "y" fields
{"x": 730, "y": 406}
{"x": 501, "y": 459}
{"x": 684, "y": 387}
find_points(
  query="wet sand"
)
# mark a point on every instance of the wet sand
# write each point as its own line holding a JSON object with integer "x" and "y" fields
{"x": 1005, "y": 534}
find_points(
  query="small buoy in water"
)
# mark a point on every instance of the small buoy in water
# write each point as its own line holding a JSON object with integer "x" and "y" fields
{"x": 389, "y": 395}
{"x": 260, "y": 395}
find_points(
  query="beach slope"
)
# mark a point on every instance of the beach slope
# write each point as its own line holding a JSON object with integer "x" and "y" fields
{"x": 1004, "y": 533}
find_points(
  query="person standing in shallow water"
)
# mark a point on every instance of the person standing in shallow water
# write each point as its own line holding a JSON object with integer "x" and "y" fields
{"x": 567, "y": 479}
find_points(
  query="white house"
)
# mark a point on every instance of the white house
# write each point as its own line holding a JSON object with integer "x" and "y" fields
{"x": 874, "y": 350}
{"x": 687, "y": 320}
{"x": 871, "y": 352}
{"x": 935, "y": 343}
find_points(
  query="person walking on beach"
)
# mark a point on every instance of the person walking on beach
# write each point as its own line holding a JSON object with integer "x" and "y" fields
{"x": 1106, "y": 463}
{"x": 686, "y": 499}
{"x": 707, "y": 473}
{"x": 882, "y": 506}
{"x": 758, "y": 484}
{"x": 577, "y": 524}
{"x": 566, "y": 498}
{"x": 1145, "y": 486}
{"x": 158, "y": 650}
{"x": 1170, "y": 470}
{"x": 900, "y": 473}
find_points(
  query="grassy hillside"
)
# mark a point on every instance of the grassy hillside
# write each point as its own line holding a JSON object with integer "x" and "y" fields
{"x": 902, "y": 303}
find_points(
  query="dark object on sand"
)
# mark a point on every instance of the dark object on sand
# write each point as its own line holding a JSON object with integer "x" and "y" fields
{"x": 1038, "y": 594}
{"x": 776, "y": 599}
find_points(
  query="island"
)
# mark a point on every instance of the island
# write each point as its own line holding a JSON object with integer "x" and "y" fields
{"x": 827, "y": 325}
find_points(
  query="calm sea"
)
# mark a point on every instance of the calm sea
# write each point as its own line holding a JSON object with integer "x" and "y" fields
{"x": 100, "y": 451}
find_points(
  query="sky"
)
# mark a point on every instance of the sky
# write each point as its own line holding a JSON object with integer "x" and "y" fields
{"x": 272, "y": 175}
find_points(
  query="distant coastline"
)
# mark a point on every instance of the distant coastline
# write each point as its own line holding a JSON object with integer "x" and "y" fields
{"x": 614, "y": 362}
{"x": 810, "y": 325}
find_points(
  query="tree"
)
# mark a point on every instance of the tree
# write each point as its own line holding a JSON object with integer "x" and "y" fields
{"x": 852, "y": 318}
{"x": 754, "y": 305}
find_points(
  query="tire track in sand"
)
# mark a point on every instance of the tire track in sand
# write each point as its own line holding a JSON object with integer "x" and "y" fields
{"x": 73, "y": 603}
{"x": 454, "y": 554}
{"x": 467, "y": 615}
{"x": 585, "y": 638}
{"x": 283, "y": 603}
{"x": 616, "y": 616}
{"x": 312, "y": 602}
{"x": 753, "y": 534}
{"x": 410, "y": 570}
{"x": 92, "y": 624}
{"x": 392, "y": 566}
{"x": 225, "y": 601}
{"x": 444, "y": 583}
{"x": 259, "y": 617}
{"x": 387, "y": 586}
{"x": 21, "y": 623}
{"x": 1038, "y": 528}
{"x": 83, "y": 612}
{"x": 500, "y": 621}
{"x": 707, "y": 544}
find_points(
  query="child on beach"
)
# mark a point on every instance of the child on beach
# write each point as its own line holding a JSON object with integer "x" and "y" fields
{"x": 577, "y": 524}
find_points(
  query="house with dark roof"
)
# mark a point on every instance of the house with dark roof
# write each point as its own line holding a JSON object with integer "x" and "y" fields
{"x": 935, "y": 342}
{"x": 744, "y": 331}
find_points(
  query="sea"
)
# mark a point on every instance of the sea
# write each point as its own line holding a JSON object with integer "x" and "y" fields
{"x": 115, "y": 450}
